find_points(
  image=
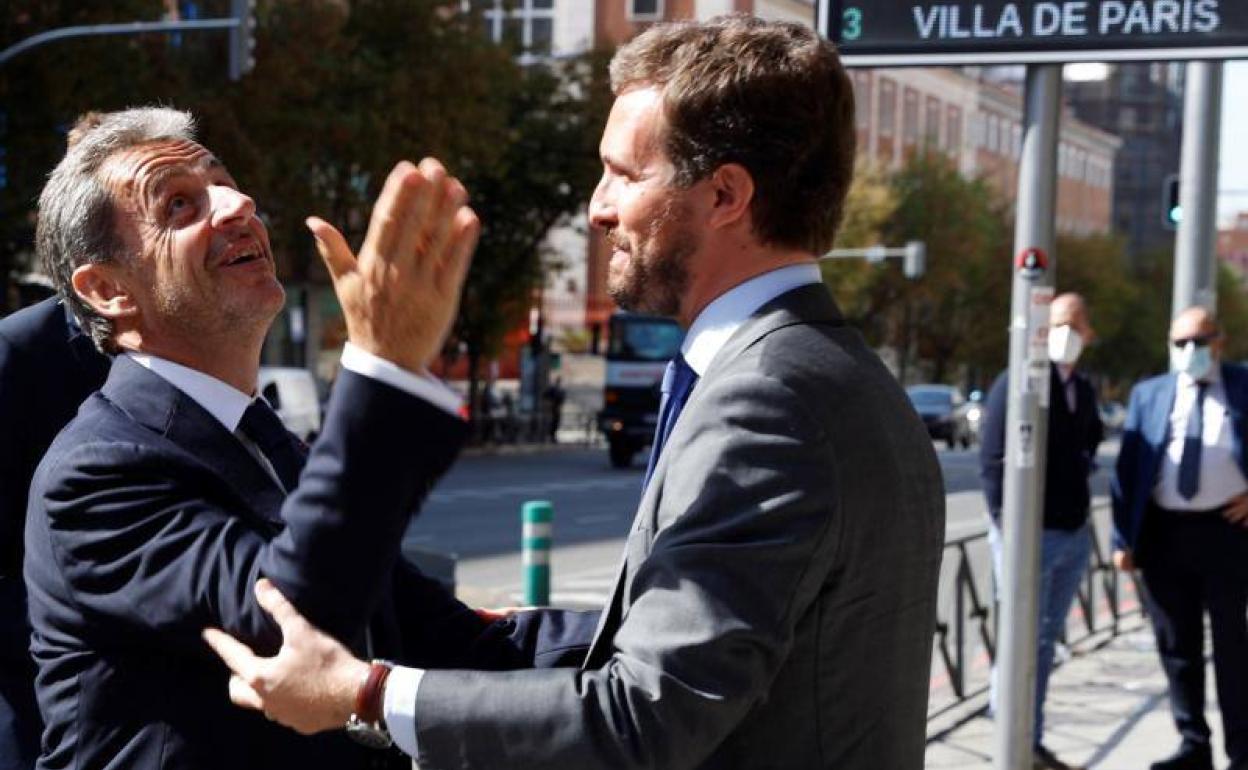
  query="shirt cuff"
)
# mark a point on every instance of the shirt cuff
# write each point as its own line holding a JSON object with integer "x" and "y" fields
{"x": 424, "y": 385}
{"x": 399, "y": 707}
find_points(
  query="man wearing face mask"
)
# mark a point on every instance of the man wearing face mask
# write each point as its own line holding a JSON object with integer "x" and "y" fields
{"x": 1075, "y": 430}
{"x": 1181, "y": 515}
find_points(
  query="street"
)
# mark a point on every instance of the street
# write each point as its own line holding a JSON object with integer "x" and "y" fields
{"x": 474, "y": 513}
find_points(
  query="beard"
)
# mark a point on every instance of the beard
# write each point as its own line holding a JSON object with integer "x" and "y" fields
{"x": 656, "y": 276}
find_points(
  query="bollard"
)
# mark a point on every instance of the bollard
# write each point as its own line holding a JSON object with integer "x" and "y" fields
{"x": 537, "y": 520}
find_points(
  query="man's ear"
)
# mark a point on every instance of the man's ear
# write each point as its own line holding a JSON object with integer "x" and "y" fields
{"x": 733, "y": 187}
{"x": 99, "y": 286}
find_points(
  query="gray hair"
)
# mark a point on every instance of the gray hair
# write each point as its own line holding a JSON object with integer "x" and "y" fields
{"x": 76, "y": 215}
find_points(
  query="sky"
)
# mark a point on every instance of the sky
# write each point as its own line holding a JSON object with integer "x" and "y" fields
{"x": 1233, "y": 172}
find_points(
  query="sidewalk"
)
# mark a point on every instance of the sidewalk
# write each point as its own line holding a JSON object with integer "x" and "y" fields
{"x": 1107, "y": 709}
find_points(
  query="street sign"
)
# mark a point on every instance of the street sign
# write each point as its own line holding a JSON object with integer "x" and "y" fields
{"x": 900, "y": 33}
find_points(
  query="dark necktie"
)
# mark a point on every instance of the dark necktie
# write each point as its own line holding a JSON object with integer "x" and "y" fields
{"x": 678, "y": 381}
{"x": 1189, "y": 465}
{"x": 283, "y": 451}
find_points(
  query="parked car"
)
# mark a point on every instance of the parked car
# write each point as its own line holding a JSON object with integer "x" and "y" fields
{"x": 292, "y": 393}
{"x": 946, "y": 413}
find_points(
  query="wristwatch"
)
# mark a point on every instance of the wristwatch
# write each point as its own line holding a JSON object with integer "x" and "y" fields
{"x": 367, "y": 724}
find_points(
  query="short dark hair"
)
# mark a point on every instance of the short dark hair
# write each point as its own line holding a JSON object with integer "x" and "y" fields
{"x": 76, "y": 224}
{"x": 770, "y": 96}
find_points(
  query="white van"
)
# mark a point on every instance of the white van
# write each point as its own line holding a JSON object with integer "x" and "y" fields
{"x": 293, "y": 395}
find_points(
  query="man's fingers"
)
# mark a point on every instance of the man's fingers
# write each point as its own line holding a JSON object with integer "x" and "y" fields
{"x": 414, "y": 236}
{"x": 439, "y": 249}
{"x": 236, "y": 655}
{"x": 242, "y": 695}
{"x": 388, "y": 212}
{"x": 277, "y": 605}
{"x": 332, "y": 246}
{"x": 467, "y": 230}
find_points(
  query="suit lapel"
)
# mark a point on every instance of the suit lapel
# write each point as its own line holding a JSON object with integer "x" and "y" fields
{"x": 156, "y": 404}
{"x": 811, "y": 304}
{"x": 1159, "y": 429}
{"x": 1235, "y": 395}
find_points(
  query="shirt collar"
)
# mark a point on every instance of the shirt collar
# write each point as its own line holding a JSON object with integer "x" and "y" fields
{"x": 719, "y": 320}
{"x": 222, "y": 401}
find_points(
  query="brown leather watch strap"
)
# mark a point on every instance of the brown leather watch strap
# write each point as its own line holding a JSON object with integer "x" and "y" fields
{"x": 368, "y": 700}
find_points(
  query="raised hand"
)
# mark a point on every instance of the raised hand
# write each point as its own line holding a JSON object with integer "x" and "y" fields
{"x": 310, "y": 685}
{"x": 400, "y": 295}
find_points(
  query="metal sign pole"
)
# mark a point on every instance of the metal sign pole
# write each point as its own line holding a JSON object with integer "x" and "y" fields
{"x": 1027, "y": 420}
{"x": 1195, "y": 263}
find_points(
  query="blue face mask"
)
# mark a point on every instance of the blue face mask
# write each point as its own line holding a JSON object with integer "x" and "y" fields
{"x": 1194, "y": 360}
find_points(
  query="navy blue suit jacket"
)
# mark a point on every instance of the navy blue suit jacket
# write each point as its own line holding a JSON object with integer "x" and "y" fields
{"x": 1072, "y": 441}
{"x": 148, "y": 521}
{"x": 1145, "y": 436}
{"x": 47, "y": 367}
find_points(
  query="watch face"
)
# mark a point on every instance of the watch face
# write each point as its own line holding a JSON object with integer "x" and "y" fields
{"x": 370, "y": 735}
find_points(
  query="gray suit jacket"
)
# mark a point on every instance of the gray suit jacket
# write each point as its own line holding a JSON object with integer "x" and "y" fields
{"x": 777, "y": 599}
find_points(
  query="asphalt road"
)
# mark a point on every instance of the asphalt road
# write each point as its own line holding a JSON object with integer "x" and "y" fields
{"x": 474, "y": 513}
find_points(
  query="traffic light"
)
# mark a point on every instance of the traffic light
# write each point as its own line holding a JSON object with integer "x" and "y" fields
{"x": 1171, "y": 211}
{"x": 242, "y": 38}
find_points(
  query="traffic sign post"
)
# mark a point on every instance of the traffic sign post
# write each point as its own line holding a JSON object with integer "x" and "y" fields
{"x": 1027, "y": 420}
{"x": 1195, "y": 260}
{"x": 909, "y": 33}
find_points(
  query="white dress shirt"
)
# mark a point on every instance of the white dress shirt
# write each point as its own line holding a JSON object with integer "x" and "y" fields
{"x": 227, "y": 404}
{"x": 1220, "y": 475}
{"x": 706, "y": 337}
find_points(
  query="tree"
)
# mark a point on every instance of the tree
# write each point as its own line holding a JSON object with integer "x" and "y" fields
{"x": 955, "y": 314}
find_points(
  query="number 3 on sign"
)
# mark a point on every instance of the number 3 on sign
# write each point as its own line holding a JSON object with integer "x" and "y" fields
{"x": 851, "y": 24}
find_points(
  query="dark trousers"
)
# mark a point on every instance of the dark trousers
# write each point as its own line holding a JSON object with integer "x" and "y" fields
{"x": 1198, "y": 563}
{"x": 19, "y": 715}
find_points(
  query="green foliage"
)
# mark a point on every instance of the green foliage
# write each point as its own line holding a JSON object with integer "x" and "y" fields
{"x": 340, "y": 92}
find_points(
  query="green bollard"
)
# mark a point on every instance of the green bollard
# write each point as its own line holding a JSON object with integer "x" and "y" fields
{"x": 537, "y": 517}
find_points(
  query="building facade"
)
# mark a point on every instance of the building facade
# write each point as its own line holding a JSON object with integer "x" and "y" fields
{"x": 1142, "y": 104}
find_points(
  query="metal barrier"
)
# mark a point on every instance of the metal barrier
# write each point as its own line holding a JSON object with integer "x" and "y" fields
{"x": 953, "y": 637}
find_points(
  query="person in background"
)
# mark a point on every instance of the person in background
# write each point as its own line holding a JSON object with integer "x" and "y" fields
{"x": 1075, "y": 431}
{"x": 47, "y": 367}
{"x": 1180, "y": 497}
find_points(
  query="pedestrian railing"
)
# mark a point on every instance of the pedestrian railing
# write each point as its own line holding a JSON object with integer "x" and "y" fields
{"x": 965, "y": 641}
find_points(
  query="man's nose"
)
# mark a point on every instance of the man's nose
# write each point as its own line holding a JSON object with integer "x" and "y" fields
{"x": 601, "y": 208}
{"x": 230, "y": 206}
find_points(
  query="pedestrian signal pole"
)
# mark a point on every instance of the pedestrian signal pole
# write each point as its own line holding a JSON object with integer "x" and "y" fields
{"x": 1195, "y": 263}
{"x": 1027, "y": 419}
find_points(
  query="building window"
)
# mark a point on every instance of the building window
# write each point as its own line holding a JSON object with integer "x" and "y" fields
{"x": 910, "y": 116}
{"x": 994, "y": 133}
{"x": 645, "y": 10}
{"x": 526, "y": 25}
{"x": 953, "y": 131}
{"x": 862, "y": 100}
{"x": 931, "y": 122}
{"x": 888, "y": 107}
{"x": 1016, "y": 136}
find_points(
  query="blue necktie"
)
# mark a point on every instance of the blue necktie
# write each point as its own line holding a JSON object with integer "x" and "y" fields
{"x": 1189, "y": 464}
{"x": 284, "y": 452}
{"x": 678, "y": 382}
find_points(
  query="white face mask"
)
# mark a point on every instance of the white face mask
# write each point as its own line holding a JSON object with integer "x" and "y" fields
{"x": 1065, "y": 345}
{"x": 1193, "y": 360}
